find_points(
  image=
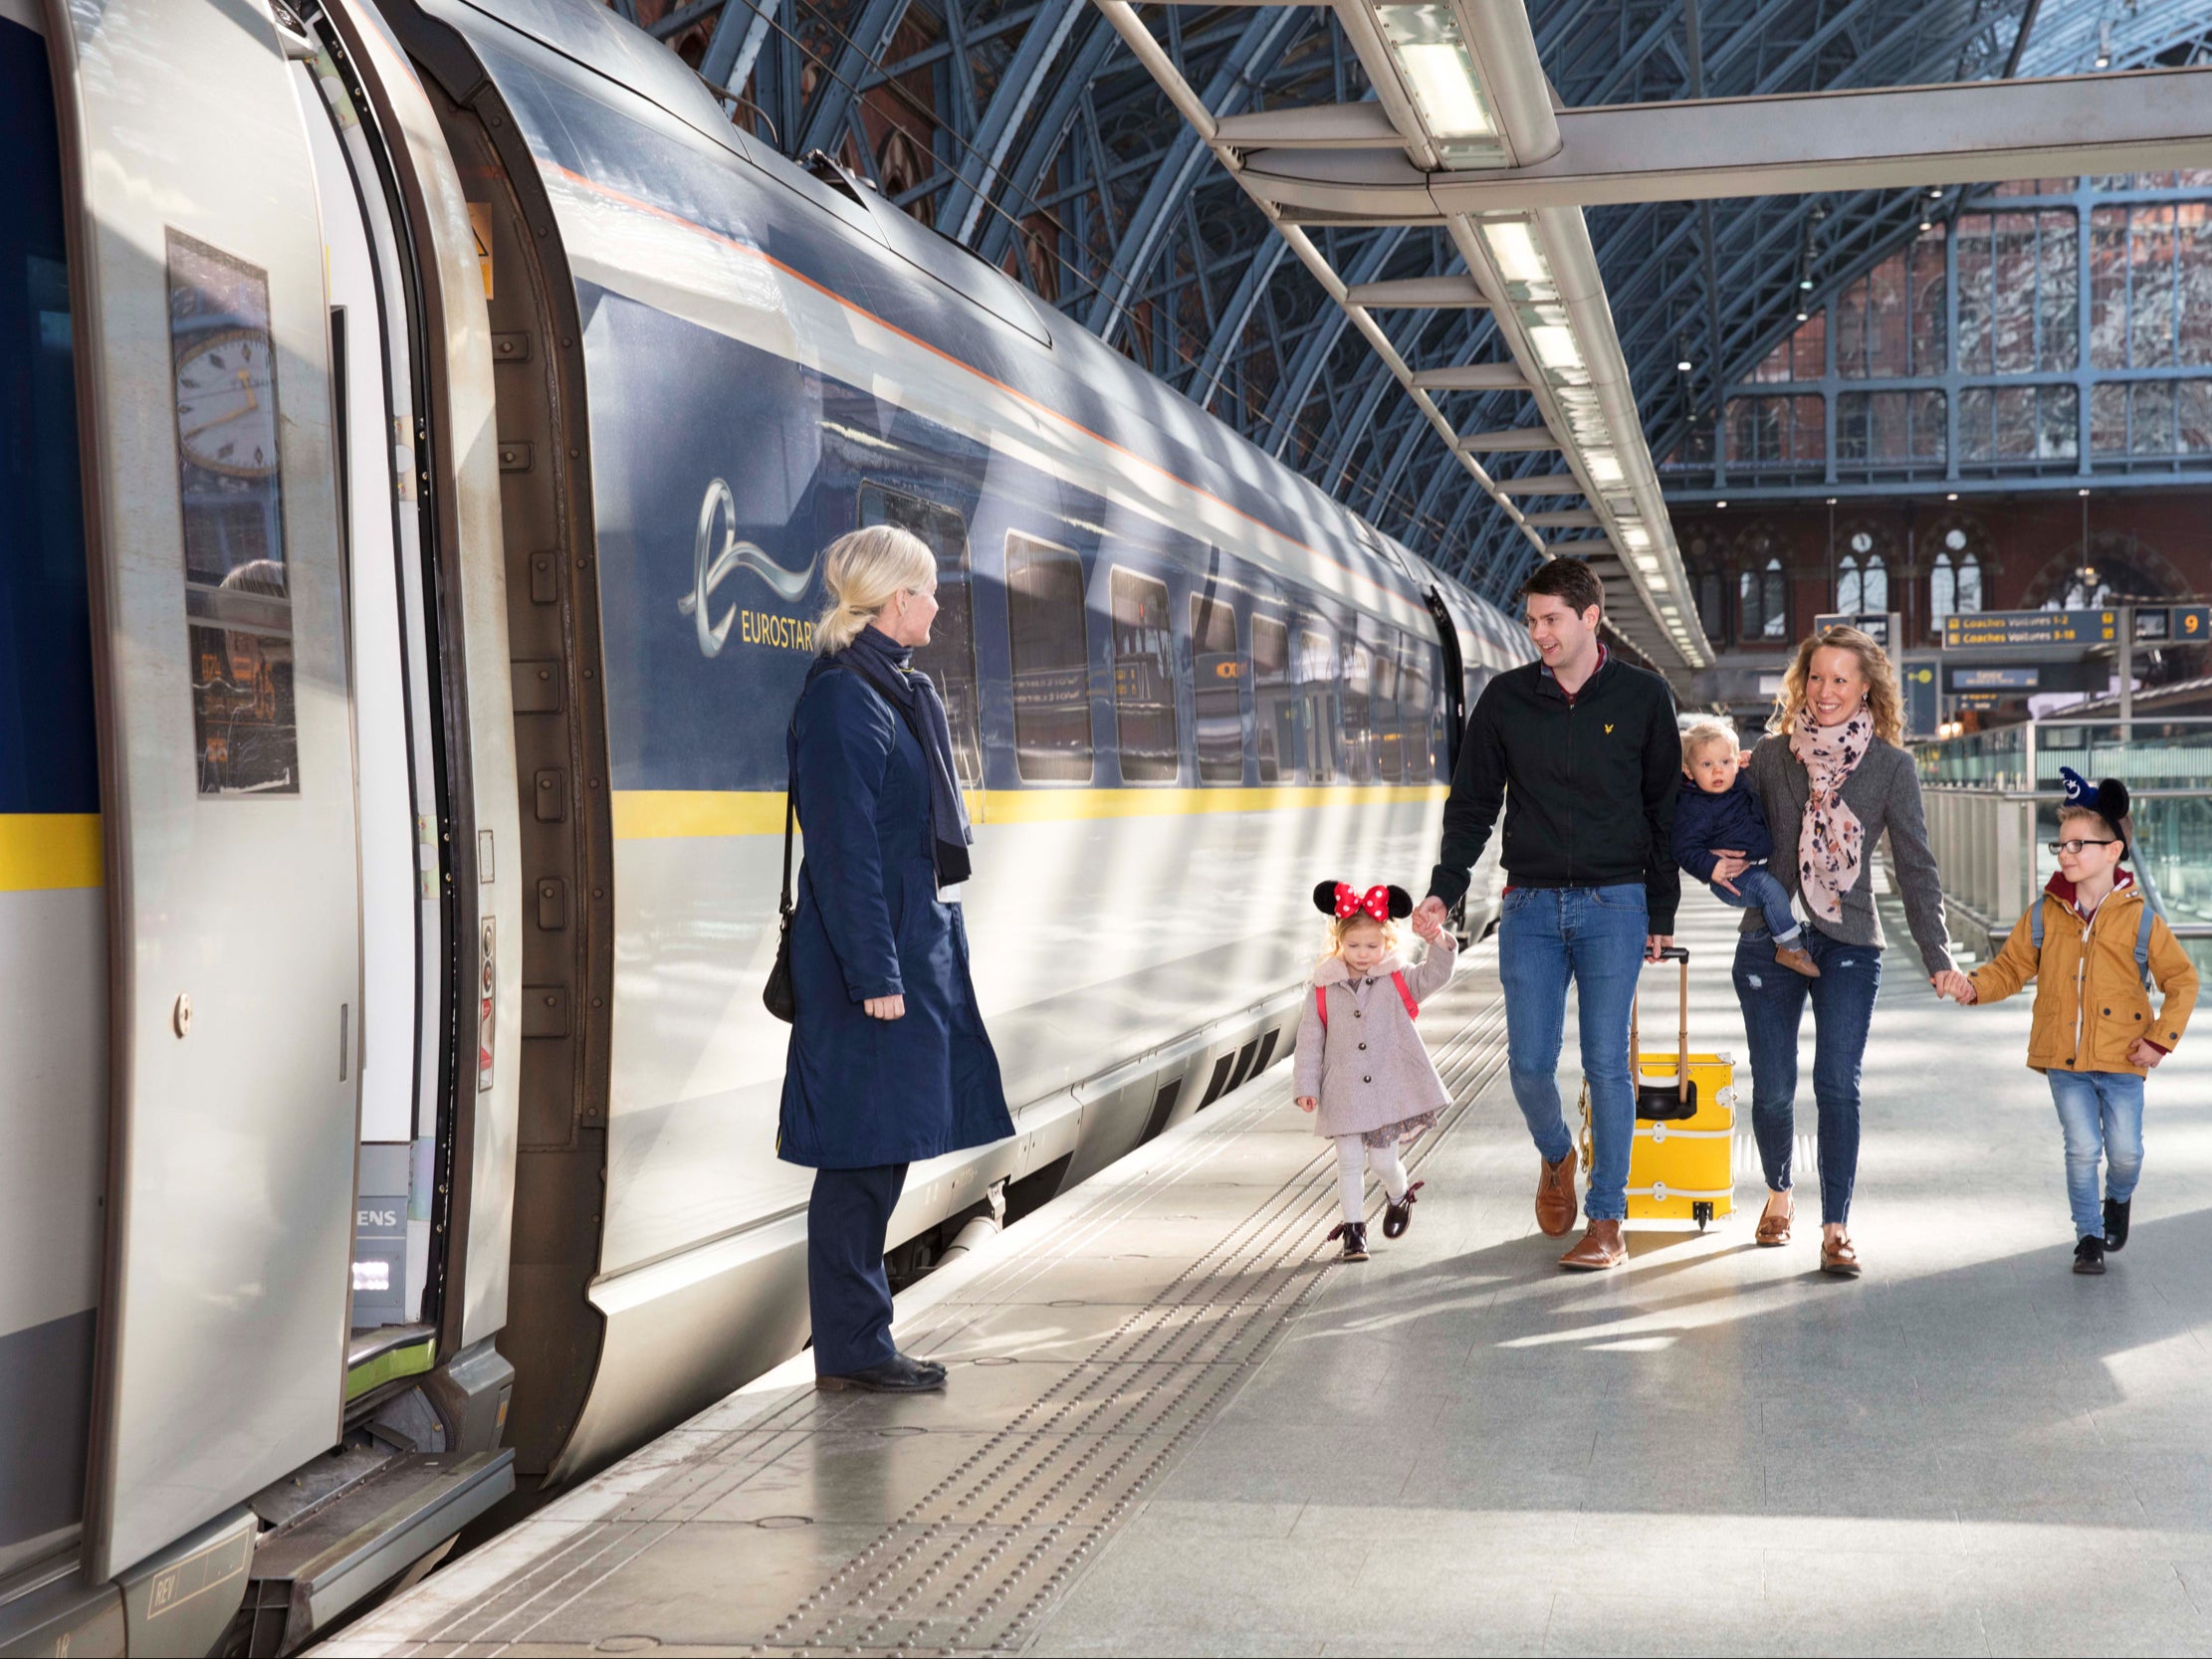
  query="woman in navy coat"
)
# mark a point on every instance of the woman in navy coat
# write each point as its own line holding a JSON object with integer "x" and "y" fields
{"x": 889, "y": 1061}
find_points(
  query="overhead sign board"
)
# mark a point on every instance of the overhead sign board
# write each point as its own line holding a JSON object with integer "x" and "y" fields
{"x": 1978, "y": 630}
{"x": 2190, "y": 624}
{"x": 1885, "y": 628}
{"x": 1881, "y": 627}
{"x": 1995, "y": 679}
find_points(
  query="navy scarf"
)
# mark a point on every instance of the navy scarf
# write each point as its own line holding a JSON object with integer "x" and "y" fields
{"x": 887, "y": 665}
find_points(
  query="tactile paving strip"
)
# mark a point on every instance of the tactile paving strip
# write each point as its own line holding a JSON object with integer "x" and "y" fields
{"x": 978, "y": 1557}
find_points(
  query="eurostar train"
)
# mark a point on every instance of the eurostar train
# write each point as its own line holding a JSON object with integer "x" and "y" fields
{"x": 421, "y": 427}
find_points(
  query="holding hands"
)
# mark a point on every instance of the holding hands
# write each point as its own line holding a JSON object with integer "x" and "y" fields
{"x": 1955, "y": 985}
{"x": 1429, "y": 925}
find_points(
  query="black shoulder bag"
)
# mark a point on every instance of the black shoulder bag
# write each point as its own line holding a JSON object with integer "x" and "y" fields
{"x": 776, "y": 995}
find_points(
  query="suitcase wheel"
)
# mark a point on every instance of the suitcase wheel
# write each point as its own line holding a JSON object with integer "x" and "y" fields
{"x": 1701, "y": 1211}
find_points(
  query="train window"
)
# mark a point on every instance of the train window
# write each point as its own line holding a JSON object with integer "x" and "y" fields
{"x": 1355, "y": 714}
{"x": 1220, "y": 670}
{"x": 1051, "y": 662}
{"x": 1276, "y": 711}
{"x": 237, "y": 600}
{"x": 1389, "y": 742}
{"x": 1144, "y": 680}
{"x": 950, "y": 656}
{"x": 1317, "y": 699}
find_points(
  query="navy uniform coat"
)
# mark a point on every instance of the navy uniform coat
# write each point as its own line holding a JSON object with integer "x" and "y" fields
{"x": 861, "y": 1092}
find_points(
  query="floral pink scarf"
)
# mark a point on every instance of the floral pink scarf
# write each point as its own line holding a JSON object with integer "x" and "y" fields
{"x": 1829, "y": 844}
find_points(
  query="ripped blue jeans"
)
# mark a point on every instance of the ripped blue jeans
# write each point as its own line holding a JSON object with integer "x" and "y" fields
{"x": 1773, "y": 1001}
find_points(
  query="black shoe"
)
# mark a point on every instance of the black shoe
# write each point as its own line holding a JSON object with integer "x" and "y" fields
{"x": 1399, "y": 1216}
{"x": 2116, "y": 1223}
{"x": 896, "y": 1375}
{"x": 1354, "y": 1234}
{"x": 2089, "y": 1255}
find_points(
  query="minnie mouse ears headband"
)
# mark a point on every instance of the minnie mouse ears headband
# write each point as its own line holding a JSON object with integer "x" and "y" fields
{"x": 2108, "y": 799}
{"x": 1342, "y": 902}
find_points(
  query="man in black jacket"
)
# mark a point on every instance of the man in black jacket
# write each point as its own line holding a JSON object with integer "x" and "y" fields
{"x": 1582, "y": 751}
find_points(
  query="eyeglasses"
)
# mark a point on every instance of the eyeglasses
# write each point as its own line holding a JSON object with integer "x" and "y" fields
{"x": 2077, "y": 846}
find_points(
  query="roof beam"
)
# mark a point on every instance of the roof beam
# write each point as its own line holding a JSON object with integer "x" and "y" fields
{"x": 1694, "y": 149}
{"x": 1472, "y": 377}
{"x": 1426, "y": 294}
{"x": 1518, "y": 440}
{"x": 1544, "y": 483}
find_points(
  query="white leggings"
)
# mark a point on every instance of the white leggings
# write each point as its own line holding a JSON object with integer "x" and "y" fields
{"x": 1353, "y": 1161}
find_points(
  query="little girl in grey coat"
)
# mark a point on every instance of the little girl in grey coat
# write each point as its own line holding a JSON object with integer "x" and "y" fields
{"x": 1361, "y": 1068}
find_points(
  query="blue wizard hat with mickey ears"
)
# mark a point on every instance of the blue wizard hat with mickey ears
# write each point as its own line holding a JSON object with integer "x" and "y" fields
{"x": 2108, "y": 800}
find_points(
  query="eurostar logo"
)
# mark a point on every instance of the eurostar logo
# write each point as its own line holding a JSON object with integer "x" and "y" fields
{"x": 713, "y": 562}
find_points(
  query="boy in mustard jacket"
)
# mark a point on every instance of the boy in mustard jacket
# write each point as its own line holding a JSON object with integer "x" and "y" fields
{"x": 2087, "y": 943}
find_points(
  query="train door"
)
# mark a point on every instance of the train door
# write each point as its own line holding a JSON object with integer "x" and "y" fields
{"x": 226, "y": 760}
{"x": 373, "y": 427}
{"x": 53, "y": 932}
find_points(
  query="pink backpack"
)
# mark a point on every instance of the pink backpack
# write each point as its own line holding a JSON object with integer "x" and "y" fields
{"x": 1321, "y": 1000}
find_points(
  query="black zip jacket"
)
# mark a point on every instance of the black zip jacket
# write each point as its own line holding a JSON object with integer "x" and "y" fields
{"x": 1587, "y": 785}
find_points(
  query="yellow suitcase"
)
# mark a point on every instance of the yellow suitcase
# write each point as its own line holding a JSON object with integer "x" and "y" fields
{"x": 1683, "y": 1166}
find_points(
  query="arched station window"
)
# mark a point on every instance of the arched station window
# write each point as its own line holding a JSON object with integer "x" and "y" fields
{"x": 1861, "y": 577}
{"x": 1954, "y": 580}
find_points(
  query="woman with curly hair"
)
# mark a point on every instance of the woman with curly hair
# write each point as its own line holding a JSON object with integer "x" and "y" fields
{"x": 1832, "y": 779}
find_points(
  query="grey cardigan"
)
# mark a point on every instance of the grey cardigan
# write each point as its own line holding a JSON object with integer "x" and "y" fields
{"x": 1371, "y": 1069}
{"x": 1884, "y": 789}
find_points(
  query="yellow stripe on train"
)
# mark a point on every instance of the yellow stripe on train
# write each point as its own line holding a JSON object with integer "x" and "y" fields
{"x": 43, "y": 851}
{"x": 666, "y": 814}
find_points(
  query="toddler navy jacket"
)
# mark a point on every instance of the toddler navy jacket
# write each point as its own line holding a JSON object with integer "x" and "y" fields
{"x": 1731, "y": 819}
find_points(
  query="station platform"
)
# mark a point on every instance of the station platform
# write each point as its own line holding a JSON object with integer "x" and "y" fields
{"x": 1175, "y": 1424}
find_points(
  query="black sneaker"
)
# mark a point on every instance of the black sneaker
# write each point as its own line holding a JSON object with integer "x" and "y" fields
{"x": 1399, "y": 1216}
{"x": 1354, "y": 1234}
{"x": 2116, "y": 1223}
{"x": 2089, "y": 1255}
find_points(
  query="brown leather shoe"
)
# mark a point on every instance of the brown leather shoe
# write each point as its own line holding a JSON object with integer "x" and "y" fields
{"x": 1774, "y": 1226}
{"x": 1600, "y": 1248}
{"x": 1555, "y": 1196}
{"x": 1797, "y": 961}
{"x": 1839, "y": 1257}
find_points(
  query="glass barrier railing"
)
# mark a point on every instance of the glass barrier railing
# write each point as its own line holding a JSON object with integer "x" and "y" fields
{"x": 2146, "y": 753}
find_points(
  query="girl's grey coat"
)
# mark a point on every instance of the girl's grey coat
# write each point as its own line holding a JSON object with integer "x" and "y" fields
{"x": 1373, "y": 1070}
{"x": 1884, "y": 789}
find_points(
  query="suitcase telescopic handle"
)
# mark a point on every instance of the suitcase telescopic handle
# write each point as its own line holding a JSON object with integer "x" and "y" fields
{"x": 1670, "y": 953}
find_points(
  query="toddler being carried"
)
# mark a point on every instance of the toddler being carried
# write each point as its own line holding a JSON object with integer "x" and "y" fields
{"x": 1717, "y": 815}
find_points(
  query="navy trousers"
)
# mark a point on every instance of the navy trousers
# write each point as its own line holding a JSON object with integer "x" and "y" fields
{"x": 846, "y": 1289}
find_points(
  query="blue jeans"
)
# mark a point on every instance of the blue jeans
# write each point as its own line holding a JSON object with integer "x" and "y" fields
{"x": 2099, "y": 1111}
{"x": 1757, "y": 889}
{"x": 1773, "y": 1001}
{"x": 1593, "y": 937}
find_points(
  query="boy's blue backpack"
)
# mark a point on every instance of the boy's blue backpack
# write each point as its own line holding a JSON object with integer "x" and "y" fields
{"x": 2142, "y": 940}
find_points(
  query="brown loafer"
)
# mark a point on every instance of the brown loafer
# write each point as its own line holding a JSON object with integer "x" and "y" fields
{"x": 1775, "y": 1230}
{"x": 1555, "y": 1196}
{"x": 1840, "y": 1256}
{"x": 1797, "y": 961}
{"x": 1600, "y": 1248}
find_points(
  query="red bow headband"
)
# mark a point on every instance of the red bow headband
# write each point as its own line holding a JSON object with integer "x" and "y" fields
{"x": 1342, "y": 901}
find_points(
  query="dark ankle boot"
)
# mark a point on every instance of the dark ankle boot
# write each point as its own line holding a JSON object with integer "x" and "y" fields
{"x": 2116, "y": 1223}
{"x": 2089, "y": 1255}
{"x": 1354, "y": 1234}
{"x": 1398, "y": 1216}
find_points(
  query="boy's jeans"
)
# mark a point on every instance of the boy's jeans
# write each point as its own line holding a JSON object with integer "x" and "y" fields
{"x": 1592, "y": 936}
{"x": 2101, "y": 1112}
{"x": 1757, "y": 889}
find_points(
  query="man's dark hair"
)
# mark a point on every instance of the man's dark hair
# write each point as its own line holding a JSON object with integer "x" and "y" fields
{"x": 1568, "y": 579}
